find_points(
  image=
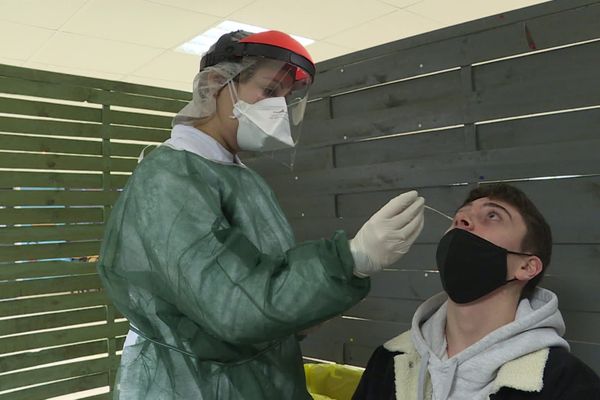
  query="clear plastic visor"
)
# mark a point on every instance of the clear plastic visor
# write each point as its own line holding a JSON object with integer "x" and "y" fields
{"x": 265, "y": 78}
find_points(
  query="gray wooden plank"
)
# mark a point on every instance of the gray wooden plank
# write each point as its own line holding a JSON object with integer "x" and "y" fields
{"x": 554, "y": 128}
{"x": 519, "y": 86}
{"x": 469, "y": 167}
{"x": 563, "y": 127}
{"x": 589, "y": 353}
{"x": 480, "y": 40}
{"x": 290, "y": 161}
{"x": 308, "y": 206}
{"x": 447, "y": 141}
{"x": 327, "y": 342}
{"x": 439, "y": 93}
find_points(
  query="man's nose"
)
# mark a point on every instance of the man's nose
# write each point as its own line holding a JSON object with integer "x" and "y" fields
{"x": 464, "y": 222}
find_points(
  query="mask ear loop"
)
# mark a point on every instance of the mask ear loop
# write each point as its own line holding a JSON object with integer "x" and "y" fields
{"x": 233, "y": 95}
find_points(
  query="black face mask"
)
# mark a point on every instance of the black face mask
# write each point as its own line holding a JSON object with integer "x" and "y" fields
{"x": 470, "y": 266}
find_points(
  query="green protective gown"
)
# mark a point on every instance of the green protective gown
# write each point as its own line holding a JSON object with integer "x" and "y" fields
{"x": 200, "y": 258}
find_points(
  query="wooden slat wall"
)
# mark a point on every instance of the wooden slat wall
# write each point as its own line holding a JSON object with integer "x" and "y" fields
{"x": 62, "y": 163}
{"x": 511, "y": 98}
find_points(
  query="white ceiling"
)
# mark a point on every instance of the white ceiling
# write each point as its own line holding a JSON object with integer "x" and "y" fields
{"x": 135, "y": 40}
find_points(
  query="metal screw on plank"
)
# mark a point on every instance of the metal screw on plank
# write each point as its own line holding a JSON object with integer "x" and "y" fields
{"x": 302, "y": 214}
{"x": 420, "y": 65}
{"x": 295, "y": 178}
{"x": 419, "y": 125}
{"x": 341, "y": 69}
{"x": 345, "y": 137}
{"x": 426, "y": 274}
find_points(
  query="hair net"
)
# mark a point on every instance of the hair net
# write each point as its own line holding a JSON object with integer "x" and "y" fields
{"x": 207, "y": 84}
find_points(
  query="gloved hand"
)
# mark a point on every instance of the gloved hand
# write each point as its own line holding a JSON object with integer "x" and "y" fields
{"x": 388, "y": 234}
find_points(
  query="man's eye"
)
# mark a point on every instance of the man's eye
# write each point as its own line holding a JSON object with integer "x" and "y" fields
{"x": 493, "y": 215}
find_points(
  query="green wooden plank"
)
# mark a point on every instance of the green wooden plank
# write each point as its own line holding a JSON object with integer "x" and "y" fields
{"x": 49, "y": 215}
{"x": 137, "y": 133}
{"x": 138, "y": 119}
{"x": 60, "y": 78}
{"x": 52, "y": 110}
{"x": 67, "y": 162}
{"x": 49, "y": 127}
{"x": 54, "y": 373}
{"x": 31, "y": 287}
{"x": 57, "y": 197}
{"x": 49, "y": 145}
{"x": 54, "y": 320}
{"x": 40, "y": 357}
{"x": 10, "y": 179}
{"x": 61, "y": 337}
{"x": 138, "y": 101}
{"x": 58, "y": 388}
{"x": 45, "y": 269}
{"x": 52, "y": 303}
{"x": 103, "y": 396}
{"x": 45, "y": 251}
{"x": 12, "y": 235}
{"x": 87, "y": 94}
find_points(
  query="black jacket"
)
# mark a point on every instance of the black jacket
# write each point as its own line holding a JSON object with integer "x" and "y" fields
{"x": 565, "y": 377}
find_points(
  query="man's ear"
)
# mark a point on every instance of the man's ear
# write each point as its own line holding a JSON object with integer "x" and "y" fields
{"x": 530, "y": 269}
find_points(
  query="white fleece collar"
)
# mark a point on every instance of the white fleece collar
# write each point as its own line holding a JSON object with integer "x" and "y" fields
{"x": 525, "y": 373}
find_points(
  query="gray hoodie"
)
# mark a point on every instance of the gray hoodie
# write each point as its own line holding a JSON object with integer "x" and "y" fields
{"x": 469, "y": 374}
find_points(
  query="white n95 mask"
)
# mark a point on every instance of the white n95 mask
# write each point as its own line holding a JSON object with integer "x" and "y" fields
{"x": 264, "y": 125}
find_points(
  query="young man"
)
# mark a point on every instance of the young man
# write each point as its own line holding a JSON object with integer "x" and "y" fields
{"x": 493, "y": 334}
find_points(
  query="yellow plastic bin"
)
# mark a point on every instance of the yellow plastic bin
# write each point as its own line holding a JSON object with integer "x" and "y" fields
{"x": 332, "y": 381}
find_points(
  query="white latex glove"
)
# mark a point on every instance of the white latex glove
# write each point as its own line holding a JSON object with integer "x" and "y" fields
{"x": 388, "y": 234}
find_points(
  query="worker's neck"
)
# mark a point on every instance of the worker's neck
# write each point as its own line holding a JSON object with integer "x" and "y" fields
{"x": 466, "y": 324}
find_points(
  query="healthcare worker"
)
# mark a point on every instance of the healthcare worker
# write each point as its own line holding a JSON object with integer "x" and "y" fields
{"x": 200, "y": 258}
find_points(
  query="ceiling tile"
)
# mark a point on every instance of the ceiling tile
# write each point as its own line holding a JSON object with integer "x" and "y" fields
{"x": 455, "y": 12}
{"x": 323, "y": 50}
{"x": 389, "y": 28}
{"x": 316, "y": 19}
{"x": 139, "y": 22}
{"x": 51, "y": 14}
{"x": 30, "y": 40}
{"x": 218, "y": 8}
{"x": 76, "y": 51}
{"x": 10, "y": 61}
{"x": 171, "y": 65}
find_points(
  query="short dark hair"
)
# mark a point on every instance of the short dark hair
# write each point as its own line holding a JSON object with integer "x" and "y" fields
{"x": 538, "y": 236}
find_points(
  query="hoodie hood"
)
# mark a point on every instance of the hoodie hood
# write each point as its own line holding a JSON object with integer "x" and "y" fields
{"x": 471, "y": 373}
